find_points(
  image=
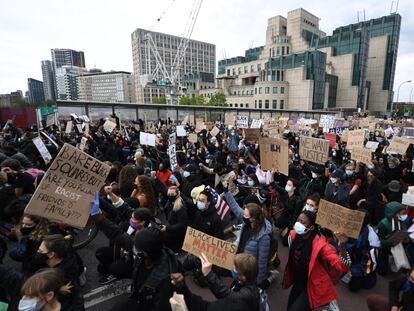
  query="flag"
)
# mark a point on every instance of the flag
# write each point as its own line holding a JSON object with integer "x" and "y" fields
{"x": 223, "y": 209}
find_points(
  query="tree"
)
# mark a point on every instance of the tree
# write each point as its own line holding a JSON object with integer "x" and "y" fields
{"x": 185, "y": 100}
{"x": 159, "y": 100}
{"x": 218, "y": 99}
{"x": 199, "y": 100}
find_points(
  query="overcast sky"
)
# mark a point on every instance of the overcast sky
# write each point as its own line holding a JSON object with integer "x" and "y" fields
{"x": 102, "y": 29}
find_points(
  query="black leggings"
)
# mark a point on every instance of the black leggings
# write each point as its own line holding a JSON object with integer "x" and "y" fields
{"x": 298, "y": 300}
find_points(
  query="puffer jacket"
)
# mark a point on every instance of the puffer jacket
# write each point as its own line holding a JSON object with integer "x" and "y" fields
{"x": 259, "y": 245}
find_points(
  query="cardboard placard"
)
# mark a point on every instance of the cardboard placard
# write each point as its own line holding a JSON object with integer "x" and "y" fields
{"x": 192, "y": 138}
{"x": 229, "y": 118}
{"x": 242, "y": 122}
{"x": 109, "y": 126}
{"x": 313, "y": 149}
{"x": 147, "y": 139}
{"x": 215, "y": 131}
{"x": 274, "y": 154}
{"x": 340, "y": 219}
{"x": 68, "y": 127}
{"x": 252, "y": 135}
{"x": 326, "y": 122}
{"x": 399, "y": 145}
{"x": 68, "y": 187}
{"x": 344, "y": 136}
{"x": 256, "y": 124}
{"x": 44, "y": 152}
{"x": 181, "y": 132}
{"x": 408, "y": 199}
{"x": 219, "y": 252}
{"x": 86, "y": 129}
{"x": 356, "y": 139}
{"x": 362, "y": 155}
{"x": 372, "y": 145}
{"x": 50, "y": 119}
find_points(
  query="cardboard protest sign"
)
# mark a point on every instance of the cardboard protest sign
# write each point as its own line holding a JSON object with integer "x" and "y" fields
{"x": 274, "y": 154}
{"x": 50, "y": 119}
{"x": 313, "y": 149}
{"x": 147, "y": 139}
{"x": 86, "y": 128}
{"x": 214, "y": 132}
{"x": 399, "y": 145}
{"x": 219, "y": 252}
{"x": 252, "y": 135}
{"x": 356, "y": 139}
{"x": 229, "y": 118}
{"x": 173, "y": 156}
{"x": 181, "y": 132}
{"x": 50, "y": 139}
{"x": 372, "y": 145}
{"x": 256, "y": 124}
{"x": 68, "y": 187}
{"x": 344, "y": 136}
{"x": 362, "y": 155}
{"x": 109, "y": 126}
{"x": 242, "y": 122}
{"x": 192, "y": 138}
{"x": 340, "y": 219}
{"x": 68, "y": 127}
{"x": 408, "y": 199}
{"x": 44, "y": 152}
{"x": 172, "y": 139}
{"x": 327, "y": 122}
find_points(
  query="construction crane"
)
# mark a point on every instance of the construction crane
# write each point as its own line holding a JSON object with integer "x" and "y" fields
{"x": 169, "y": 76}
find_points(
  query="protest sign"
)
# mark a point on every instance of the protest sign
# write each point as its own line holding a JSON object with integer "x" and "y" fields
{"x": 173, "y": 157}
{"x": 252, "y": 135}
{"x": 214, "y": 132}
{"x": 209, "y": 125}
{"x": 199, "y": 127}
{"x": 326, "y": 122}
{"x": 408, "y": 132}
{"x": 242, "y": 122}
{"x": 192, "y": 138}
{"x": 356, "y": 139}
{"x": 79, "y": 127}
{"x": 172, "y": 139}
{"x": 256, "y": 124}
{"x": 332, "y": 139}
{"x": 68, "y": 187}
{"x": 44, "y": 152}
{"x": 49, "y": 139}
{"x": 344, "y": 136}
{"x": 147, "y": 139}
{"x": 50, "y": 119}
{"x": 86, "y": 128}
{"x": 68, "y": 127}
{"x": 399, "y": 145}
{"x": 372, "y": 145}
{"x": 338, "y": 130}
{"x": 181, "y": 132}
{"x": 313, "y": 149}
{"x": 340, "y": 219}
{"x": 408, "y": 199}
{"x": 229, "y": 118}
{"x": 274, "y": 154}
{"x": 362, "y": 155}
{"x": 82, "y": 143}
{"x": 109, "y": 126}
{"x": 219, "y": 252}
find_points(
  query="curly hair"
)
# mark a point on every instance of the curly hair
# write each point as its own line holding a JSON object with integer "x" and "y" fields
{"x": 127, "y": 175}
{"x": 146, "y": 186}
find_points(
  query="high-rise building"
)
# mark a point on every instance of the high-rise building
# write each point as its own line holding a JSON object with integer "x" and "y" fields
{"x": 13, "y": 97}
{"x": 199, "y": 57}
{"x": 301, "y": 68}
{"x": 112, "y": 86}
{"x": 67, "y": 57}
{"x": 66, "y": 82}
{"x": 36, "y": 93}
{"x": 48, "y": 80}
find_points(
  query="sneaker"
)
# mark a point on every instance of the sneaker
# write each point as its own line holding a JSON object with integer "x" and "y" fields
{"x": 107, "y": 279}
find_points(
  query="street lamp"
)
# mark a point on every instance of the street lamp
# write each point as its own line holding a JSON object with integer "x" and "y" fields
{"x": 398, "y": 93}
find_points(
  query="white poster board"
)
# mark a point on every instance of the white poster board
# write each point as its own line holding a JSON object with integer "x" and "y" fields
{"x": 147, "y": 139}
{"x": 41, "y": 147}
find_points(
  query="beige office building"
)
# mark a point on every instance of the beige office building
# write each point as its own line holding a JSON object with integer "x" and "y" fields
{"x": 301, "y": 68}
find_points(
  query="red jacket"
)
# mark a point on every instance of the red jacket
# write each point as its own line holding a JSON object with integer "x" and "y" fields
{"x": 324, "y": 267}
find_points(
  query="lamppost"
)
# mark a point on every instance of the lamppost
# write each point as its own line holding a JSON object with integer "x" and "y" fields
{"x": 398, "y": 93}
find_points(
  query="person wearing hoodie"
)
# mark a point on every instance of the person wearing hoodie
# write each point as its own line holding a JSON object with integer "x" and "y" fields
{"x": 337, "y": 191}
{"x": 396, "y": 218}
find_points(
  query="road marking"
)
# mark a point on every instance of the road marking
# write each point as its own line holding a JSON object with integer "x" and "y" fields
{"x": 106, "y": 292}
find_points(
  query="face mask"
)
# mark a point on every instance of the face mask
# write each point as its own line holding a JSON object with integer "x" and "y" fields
{"x": 403, "y": 217}
{"x": 186, "y": 174}
{"x": 172, "y": 198}
{"x": 349, "y": 172}
{"x": 370, "y": 166}
{"x": 201, "y": 205}
{"x": 300, "y": 228}
{"x": 250, "y": 183}
{"x": 235, "y": 275}
{"x": 314, "y": 175}
{"x": 334, "y": 180}
{"x": 26, "y": 230}
{"x": 40, "y": 259}
{"x": 30, "y": 304}
{"x": 247, "y": 221}
{"x": 134, "y": 225}
{"x": 288, "y": 188}
{"x": 308, "y": 208}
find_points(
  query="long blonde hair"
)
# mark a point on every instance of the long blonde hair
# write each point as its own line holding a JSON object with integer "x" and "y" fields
{"x": 178, "y": 203}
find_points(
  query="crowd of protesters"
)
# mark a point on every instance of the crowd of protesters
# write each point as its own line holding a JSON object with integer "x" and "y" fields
{"x": 148, "y": 202}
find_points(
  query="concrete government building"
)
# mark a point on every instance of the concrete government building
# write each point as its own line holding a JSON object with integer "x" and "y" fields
{"x": 301, "y": 68}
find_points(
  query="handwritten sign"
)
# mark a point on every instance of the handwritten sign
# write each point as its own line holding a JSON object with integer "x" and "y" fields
{"x": 356, "y": 139}
{"x": 372, "y": 145}
{"x": 252, "y": 135}
{"x": 147, "y": 139}
{"x": 242, "y": 122}
{"x": 274, "y": 154}
{"x": 313, "y": 149}
{"x": 192, "y": 138}
{"x": 327, "y": 122}
{"x": 173, "y": 157}
{"x": 229, "y": 118}
{"x": 256, "y": 124}
{"x": 399, "y": 145}
{"x": 68, "y": 187}
{"x": 68, "y": 127}
{"x": 181, "y": 132}
{"x": 363, "y": 155}
{"x": 109, "y": 126}
{"x": 214, "y": 132}
{"x": 340, "y": 219}
{"x": 50, "y": 119}
{"x": 219, "y": 252}
{"x": 44, "y": 152}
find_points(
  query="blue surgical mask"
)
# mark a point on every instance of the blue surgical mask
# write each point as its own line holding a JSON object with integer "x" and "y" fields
{"x": 334, "y": 180}
{"x": 403, "y": 217}
{"x": 201, "y": 205}
{"x": 235, "y": 276}
{"x": 250, "y": 182}
{"x": 300, "y": 228}
{"x": 186, "y": 174}
{"x": 349, "y": 172}
{"x": 32, "y": 304}
{"x": 309, "y": 208}
{"x": 288, "y": 188}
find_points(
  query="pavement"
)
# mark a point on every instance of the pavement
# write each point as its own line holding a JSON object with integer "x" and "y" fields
{"x": 102, "y": 298}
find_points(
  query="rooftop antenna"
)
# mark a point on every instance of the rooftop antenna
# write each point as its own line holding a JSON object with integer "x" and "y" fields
{"x": 392, "y": 4}
{"x": 251, "y": 44}
{"x": 396, "y": 9}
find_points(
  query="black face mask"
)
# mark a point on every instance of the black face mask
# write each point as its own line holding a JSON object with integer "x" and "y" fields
{"x": 26, "y": 230}
{"x": 172, "y": 198}
{"x": 247, "y": 222}
{"x": 39, "y": 260}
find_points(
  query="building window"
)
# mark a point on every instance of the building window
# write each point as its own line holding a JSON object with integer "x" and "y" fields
{"x": 246, "y": 70}
{"x": 239, "y": 70}
{"x": 287, "y": 50}
{"x": 275, "y": 90}
{"x": 251, "y": 68}
{"x": 267, "y": 90}
{"x": 260, "y": 104}
{"x": 247, "y": 105}
{"x": 255, "y": 104}
{"x": 234, "y": 71}
{"x": 231, "y": 105}
{"x": 278, "y": 75}
{"x": 282, "y": 90}
{"x": 238, "y": 93}
{"x": 255, "y": 90}
{"x": 283, "y": 78}
{"x": 283, "y": 50}
{"x": 241, "y": 105}
{"x": 259, "y": 67}
{"x": 267, "y": 104}
{"x": 274, "y": 104}
{"x": 234, "y": 93}
{"x": 282, "y": 104}
{"x": 260, "y": 90}
{"x": 236, "y": 105}
{"x": 278, "y": 51}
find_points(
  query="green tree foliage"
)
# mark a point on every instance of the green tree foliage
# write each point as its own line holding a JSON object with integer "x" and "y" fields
{"x": 160, "y": 100}
{"x": 218, "y": 99}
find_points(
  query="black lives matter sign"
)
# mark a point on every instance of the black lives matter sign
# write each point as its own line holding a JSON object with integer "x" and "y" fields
{"x": 68, "y": 187}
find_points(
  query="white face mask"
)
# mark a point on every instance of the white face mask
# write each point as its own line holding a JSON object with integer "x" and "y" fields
{"x": 308, "y": 208}
{"x": 250, "y": 183}
{"x": 334, "y": 180}
{"x": 300, "y": 228}
{"x": 314, "y": 175}
{"x": 288, "y": 188}
{"x": 32, "y": 304}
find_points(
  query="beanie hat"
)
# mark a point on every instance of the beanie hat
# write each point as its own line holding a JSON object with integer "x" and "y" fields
{"x": 150, "y": 241}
